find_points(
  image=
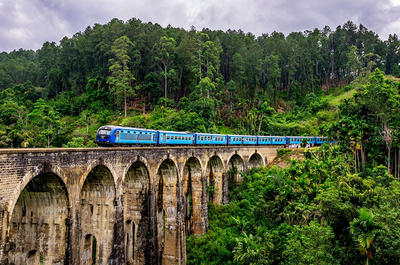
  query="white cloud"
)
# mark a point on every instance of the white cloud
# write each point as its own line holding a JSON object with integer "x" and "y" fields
{"x": 29, "y": 23}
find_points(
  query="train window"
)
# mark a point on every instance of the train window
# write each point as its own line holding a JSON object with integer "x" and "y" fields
{"x": 167, "y": 137}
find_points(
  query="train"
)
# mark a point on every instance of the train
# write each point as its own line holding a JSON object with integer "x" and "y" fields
{"x": 112, "y": 135}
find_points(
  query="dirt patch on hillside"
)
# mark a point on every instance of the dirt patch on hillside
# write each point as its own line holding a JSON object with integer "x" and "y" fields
{"x": 283, "y": 160}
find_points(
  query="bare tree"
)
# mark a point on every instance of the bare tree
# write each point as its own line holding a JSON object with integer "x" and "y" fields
{"x": 387, "y": 134}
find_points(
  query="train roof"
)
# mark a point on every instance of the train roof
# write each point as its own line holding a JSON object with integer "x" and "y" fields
{"x": 213, "y": 134}
{"x": 301, "y": 136}
{"x": 271, "y": 136}
{"x": 125, "y": 128}
{"x": 161, "y": 131}
{"x": 236, "y": 135}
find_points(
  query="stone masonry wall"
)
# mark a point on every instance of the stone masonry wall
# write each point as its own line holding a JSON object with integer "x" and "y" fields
{"x": 111, "y": 205}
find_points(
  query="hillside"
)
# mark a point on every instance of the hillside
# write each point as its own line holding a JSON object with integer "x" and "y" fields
{"x": 144, "y": 75}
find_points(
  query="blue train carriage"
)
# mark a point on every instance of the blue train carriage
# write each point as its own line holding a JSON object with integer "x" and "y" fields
{"x": 118, "y": 135}
{"x": 279, "y": 140}
{"x": 210, "y": 139}
{"x": 299, "y": 139}
{"x": 249, "y": 140}
{"x": 175, "y": 138}
{"x": 242, "y": 139}
{"x": 321, "y": 140}
{"x": 235, "y": 139}
{"x": 264, "y": 140}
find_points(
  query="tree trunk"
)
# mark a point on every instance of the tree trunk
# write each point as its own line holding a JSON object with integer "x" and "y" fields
{"x": 125, "y": 101}
{"x": 389, "y": 161}
{"x": 362, "y": 156}
{"x": 355, "y": 160}
{"x": 165, "y": 81}
{"x": 259, "y": 127}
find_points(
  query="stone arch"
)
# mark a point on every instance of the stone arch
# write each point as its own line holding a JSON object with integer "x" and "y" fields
{"x": 137, "y": 212}
{"x": 38, "y": 227}
{"x": 141, "y": 160}
{"x": 192, "y": 196}
{"x": 35, "y": 171}
{"x": 166, "y": 212}
{"x": 235, "y": 166}
{"x": 92, "y": 166}
{"x": 97, "y": 208}
{"x": 214, "y": 176}
{"x": 256, "y": 160}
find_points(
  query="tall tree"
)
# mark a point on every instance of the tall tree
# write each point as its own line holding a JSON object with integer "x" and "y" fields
{"x": 365, "y": 228}
{"x": 165, "y": 54}
{"x": 121, "y": 77}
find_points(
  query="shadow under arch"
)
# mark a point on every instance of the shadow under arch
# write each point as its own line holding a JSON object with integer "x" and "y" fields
{"x": 192, "y": 196}
{"x": 166, "y": 212}
{"x": 234, "y": 167}
{"x": 137, "y": 213}
{"x": 97, "y": 207}
{"x": 214, "y": 176}
{"x": 38, "y": 222}
{"x": 255, "y": 160}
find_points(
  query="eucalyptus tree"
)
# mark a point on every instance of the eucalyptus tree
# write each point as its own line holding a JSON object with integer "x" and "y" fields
{"x": 121, "y": 78}
{"x": 165, "y": 54}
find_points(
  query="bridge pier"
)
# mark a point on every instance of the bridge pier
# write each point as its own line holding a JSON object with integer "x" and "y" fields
{"x": 112, "y": 205}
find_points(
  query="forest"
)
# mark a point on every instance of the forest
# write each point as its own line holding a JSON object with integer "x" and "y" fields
{"x": 314, "y": 211}
{"x": 336, "y": 205}
{"x": 144, "y": 75}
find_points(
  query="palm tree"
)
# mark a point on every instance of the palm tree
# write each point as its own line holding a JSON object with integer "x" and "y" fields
{"x": 365, "y": 228}
{"x": 251, "y": 250}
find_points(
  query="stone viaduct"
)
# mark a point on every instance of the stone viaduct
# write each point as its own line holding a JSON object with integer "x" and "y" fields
{"x": 112, "y": 205}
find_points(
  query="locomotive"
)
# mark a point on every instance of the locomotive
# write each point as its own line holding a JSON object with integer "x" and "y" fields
{"x": 111, "y": 135}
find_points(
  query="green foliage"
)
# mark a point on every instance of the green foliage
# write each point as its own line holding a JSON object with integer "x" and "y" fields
{"x": 310, "y": 244}
{"x": 282, "y": 151}
{"x": 76, "y": 142}
{"x": 307, "y": 213}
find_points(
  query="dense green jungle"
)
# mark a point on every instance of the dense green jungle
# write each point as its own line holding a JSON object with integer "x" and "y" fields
{"x": 332, "y": 204}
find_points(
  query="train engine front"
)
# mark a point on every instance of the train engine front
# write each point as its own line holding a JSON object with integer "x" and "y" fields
{"x": 104, "y": 136}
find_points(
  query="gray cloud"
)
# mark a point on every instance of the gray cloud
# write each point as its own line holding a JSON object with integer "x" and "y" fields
{"x": 28, "y": 24}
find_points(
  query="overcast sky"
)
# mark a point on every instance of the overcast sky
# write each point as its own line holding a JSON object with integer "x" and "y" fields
{"x": 28, "y": 24}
